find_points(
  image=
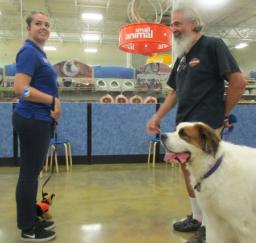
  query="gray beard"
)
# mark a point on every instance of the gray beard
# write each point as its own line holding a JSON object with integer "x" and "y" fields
{"x": 182, "y": 46}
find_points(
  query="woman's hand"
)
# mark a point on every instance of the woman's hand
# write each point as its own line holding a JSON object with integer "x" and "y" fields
{"x": 56, "y": 113}
{"x": 154, "y": 124}
{"x": 227, "y": 124}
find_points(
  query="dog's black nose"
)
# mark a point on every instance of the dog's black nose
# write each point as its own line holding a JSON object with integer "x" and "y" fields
{"x": 163, "y": 137}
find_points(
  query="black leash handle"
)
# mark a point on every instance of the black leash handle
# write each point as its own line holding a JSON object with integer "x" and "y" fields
{"x": 53, "y": 120}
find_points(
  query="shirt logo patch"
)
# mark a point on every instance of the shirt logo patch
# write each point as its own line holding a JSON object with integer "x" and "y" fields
{"x": 45, "y": 60}
{"x": 194, "y": 62}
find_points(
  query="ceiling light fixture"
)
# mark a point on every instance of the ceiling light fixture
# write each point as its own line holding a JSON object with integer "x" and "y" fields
{"x": 54, "y": 35}
{"x": 92, "y": 16}
{"x": 212, "y": 4}
{"x": 50, "y": 48}
{"x": 91, "y": 50}
{"x": 91, "y": 37}
{"x": 241, "y": 45}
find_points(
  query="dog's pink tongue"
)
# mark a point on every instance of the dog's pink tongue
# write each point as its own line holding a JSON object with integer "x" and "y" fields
{"x": 180, "y": 157}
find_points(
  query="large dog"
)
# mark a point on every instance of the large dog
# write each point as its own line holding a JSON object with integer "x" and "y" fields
{"x": 224, "y": 178}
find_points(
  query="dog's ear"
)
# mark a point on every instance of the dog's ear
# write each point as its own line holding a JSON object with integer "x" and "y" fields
{"x": 209, "y": 140}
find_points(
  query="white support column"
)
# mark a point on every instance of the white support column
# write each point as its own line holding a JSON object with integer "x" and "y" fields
{"x": 128, "y": 59}
{"x": 21, "y": 20}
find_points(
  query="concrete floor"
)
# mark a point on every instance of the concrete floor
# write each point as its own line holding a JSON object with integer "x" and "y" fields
{"x": 117, "y": 203}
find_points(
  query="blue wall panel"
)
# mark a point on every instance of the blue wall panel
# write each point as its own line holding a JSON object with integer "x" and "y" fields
{"x": 120, "y": 129}
{"x": 168, "y": 124}
{"x": 244, "y": 131}
{"x": 10, "y": 70}
{"x": 113, "y": 72}
{"x": 6, "y": 131}
{"x": 73, "y": 127}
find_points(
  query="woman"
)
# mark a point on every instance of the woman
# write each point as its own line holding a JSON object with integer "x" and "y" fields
{"x": 34, "y": 117}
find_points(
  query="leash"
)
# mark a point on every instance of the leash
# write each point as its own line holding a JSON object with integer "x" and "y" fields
{"x": 54, "y": 123}
{"x": 53, "y": 135}
{"x": 45, "y": 182}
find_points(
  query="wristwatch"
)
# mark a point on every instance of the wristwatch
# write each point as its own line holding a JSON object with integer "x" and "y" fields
{"x": 25, "y": 93}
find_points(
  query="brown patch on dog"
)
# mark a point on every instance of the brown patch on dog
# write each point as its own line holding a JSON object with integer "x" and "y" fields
{"x": 201, "y": 136}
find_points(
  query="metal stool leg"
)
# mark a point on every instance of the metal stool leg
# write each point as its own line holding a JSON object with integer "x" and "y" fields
{"x": 56, "y": 161}
{"x": 70, "y": 155}
{"x": 154, "y": 155}
{"x": 149, "y": 152}
{"x": 41, "y": 174}
{"x": 66, "y": 155}
{"x": 52, "y": 152}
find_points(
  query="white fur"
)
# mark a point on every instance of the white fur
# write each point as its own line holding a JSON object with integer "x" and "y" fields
{"x": 228, "y": 197}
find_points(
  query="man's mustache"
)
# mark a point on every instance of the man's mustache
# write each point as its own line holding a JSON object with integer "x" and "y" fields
{"x": 177, "y": 34}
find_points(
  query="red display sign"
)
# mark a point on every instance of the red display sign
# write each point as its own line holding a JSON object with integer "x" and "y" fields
{"x": 145, "y": 38}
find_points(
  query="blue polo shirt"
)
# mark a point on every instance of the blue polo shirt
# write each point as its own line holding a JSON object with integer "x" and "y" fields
{"x": 32, "y": 61}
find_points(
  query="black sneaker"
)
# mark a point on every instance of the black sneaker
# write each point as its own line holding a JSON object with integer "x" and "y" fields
{"x": 44, "y": 224}
{"x": 187, "y": 225}
{"x": 199, "y": 236}
{"x": 37, "y": 235}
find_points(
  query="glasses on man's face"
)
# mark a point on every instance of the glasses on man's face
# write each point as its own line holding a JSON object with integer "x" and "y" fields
{"x": 182, "y": 64}
{"x": 177, "y": 24}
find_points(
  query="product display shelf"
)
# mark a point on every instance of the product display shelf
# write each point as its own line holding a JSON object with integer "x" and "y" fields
{"x": 249, "y": 95}
{"x": 86, "y": 94}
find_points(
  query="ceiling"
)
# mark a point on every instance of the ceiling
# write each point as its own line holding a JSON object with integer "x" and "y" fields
{"x": 234, "y": 22}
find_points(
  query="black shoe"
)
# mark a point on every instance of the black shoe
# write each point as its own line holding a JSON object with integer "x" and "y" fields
{"x": 37, "y": 235}
{"x": 199, "y": 236}
{"x": 43, "y": 224}
{"x": 187, "y": 225}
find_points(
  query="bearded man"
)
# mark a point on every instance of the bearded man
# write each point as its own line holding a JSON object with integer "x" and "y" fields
{"x": 198, "y": 84}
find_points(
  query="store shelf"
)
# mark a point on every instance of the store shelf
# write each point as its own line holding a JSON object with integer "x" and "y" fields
{"x": 87, "y": 94}
{"x": 90, "y": 94}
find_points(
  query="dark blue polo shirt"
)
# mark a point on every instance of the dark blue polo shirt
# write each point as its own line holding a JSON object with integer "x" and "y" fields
{"x": 198, "y": 78}
{"x": 31, "y": 60}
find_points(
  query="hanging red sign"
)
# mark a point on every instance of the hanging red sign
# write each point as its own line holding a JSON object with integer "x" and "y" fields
{"x": 145, "y": 38}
